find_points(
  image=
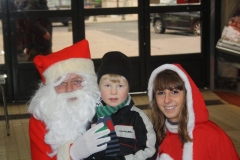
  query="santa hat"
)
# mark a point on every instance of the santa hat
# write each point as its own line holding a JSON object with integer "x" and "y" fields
{"x": 73, "y": 59}
{"x": 197, "y": 110}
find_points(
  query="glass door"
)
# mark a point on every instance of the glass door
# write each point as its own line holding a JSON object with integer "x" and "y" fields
{"x": 150, "y": 33}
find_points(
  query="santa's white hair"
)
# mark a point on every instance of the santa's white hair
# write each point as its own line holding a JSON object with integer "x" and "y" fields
{"x": 65, "y": 120}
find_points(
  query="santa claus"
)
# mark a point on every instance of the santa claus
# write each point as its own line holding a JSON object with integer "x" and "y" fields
{"x": 64, "y": 105}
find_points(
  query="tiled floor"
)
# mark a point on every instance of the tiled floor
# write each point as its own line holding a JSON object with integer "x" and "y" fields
{"x": 16, "y": 146}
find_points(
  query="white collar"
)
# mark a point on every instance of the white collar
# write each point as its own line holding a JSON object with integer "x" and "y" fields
{"x": 171, "y": 127}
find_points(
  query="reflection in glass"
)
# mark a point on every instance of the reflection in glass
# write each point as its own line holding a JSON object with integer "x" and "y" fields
{"x": 112, "y": 3}
{"x": 112, "y": 33}
{"x": 61, "y": 37}
{"x": 21, "y": 36}
{"x": 173, "y": 2}
{"x": 175, "y": 33}
{"x": 59, "y": 4}
{"x": 2, "y": 58}
{"x": 162, "y": 2}
{"x": 35, "y": 36}
{"x": 51, "y": 4}
{"x": 27, "y": 5}
{"x": 66, "y": 4}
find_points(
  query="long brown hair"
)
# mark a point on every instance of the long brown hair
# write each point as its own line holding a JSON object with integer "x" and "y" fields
{"x": 170, "y": 80}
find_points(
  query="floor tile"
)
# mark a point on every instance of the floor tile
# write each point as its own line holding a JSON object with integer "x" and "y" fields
{"x": 16, "y": 146}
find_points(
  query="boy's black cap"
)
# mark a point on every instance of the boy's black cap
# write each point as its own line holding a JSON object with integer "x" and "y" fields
{"x": 115, "y": 62}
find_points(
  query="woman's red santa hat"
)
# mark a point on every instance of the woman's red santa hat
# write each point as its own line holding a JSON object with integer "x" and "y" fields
{"x": 197, "y": 110}
{"x": 73, "y": 59}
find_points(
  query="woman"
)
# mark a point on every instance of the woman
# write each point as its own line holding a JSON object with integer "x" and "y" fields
{"x": 180, "y": 118}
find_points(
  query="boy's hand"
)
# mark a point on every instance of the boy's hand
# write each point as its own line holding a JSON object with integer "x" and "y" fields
{"x": 87, "y": 143}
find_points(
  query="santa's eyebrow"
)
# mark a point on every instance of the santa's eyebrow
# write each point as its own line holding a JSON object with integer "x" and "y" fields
{"x": 59, "y": 80}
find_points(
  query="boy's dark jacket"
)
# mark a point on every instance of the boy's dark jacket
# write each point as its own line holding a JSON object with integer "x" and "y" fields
{"x": 130, "y": 121}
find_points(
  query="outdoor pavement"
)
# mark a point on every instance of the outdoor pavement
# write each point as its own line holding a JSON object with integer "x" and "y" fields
{"x": 101, "y": 41}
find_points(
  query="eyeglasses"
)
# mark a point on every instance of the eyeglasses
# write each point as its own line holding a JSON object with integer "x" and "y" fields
{"x": 75, "y": 83}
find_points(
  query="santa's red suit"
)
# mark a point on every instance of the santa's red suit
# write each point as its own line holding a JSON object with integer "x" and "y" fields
{"x": 210, "y": 142}
{"x": 37, "y": 131}
{"x": 57, "y": 123}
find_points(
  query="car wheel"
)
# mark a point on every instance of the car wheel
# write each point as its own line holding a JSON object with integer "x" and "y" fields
{"x": 197, "y": 28}
{"x": 158, "y": 26}
{"x": 65, "y": 23}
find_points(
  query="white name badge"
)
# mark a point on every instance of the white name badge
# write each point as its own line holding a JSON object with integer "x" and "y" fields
{"x": 125, "y": 131}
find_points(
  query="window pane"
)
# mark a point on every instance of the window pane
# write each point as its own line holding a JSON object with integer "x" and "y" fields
{"x": 61, "y": 37}
{"x": 42, "y": 4}
{"x": 175, "y": 33}
{"x": 173, "y": 2}
{"x": 66, "y": 4}
{"x": 112, "y": 3}
{"x": 59, "y": 4}
{"x": 112, "y": 33}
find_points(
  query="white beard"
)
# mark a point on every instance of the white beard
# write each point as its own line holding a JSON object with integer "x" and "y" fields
{"x": 65, "y": 120}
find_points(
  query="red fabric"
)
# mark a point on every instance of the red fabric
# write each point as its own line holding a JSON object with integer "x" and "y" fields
{"x": 187, "y": 1}
{"x": 173, "y": 149}
{"x": 199, "y": 106}
{"x": 110, "y": 125}
{"x": 210, "y": 142}
{"x": 78, "y": 50}
{"x": 39, "y": 149}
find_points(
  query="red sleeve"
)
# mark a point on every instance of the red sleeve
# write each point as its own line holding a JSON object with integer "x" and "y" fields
{"x": 39, "y": 149}
{"x": 220, "y": 145}
{"x": 224, "y": 148}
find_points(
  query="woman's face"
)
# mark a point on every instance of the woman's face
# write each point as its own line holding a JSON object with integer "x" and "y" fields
{"x": 170, "y": 103}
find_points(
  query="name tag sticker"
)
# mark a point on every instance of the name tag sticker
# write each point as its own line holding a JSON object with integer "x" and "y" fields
{"x": 125, "y": 131}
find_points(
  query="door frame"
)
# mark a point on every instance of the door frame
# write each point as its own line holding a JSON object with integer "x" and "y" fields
{"x": 20, "y": 88}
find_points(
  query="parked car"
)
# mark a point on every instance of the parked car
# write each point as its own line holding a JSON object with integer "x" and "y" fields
{"x": 184, "y": 21}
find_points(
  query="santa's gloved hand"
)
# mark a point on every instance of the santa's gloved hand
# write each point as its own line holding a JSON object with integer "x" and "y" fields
{"x": 87, "y": 143}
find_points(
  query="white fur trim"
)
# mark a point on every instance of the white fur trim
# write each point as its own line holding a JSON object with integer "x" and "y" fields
{"x": 191, "y": 122}
{"x": 164, "y": 156}
{"x": 188, "y": 147}
{"x": 71, "y": 65}
{"x": 188, "y": 151}
{"x": 64, "y": 151}
{"x": 171, "y": 128}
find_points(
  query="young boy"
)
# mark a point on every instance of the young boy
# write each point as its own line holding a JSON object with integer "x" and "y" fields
{"x": 132, "y": 134}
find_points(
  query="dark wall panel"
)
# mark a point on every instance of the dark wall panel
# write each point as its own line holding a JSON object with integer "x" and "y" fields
{"x": 27, "y": 84}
